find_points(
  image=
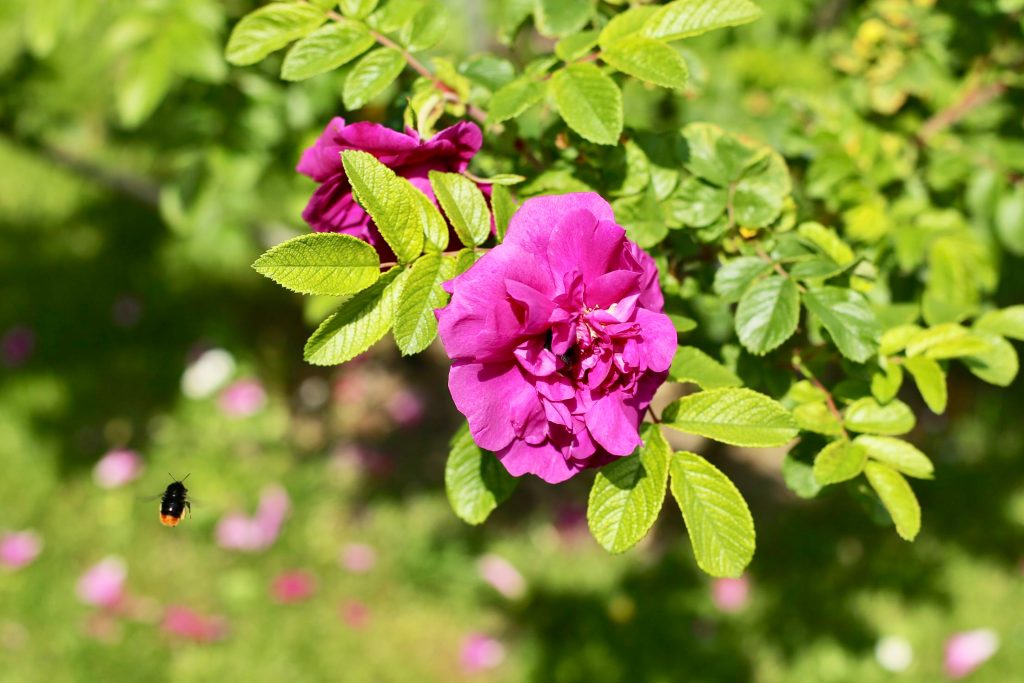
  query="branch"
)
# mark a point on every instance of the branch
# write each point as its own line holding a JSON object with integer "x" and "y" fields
{"x": 416, "y": 65}
{"x": 799, "y": 366}
{"x": 972, "y": 99}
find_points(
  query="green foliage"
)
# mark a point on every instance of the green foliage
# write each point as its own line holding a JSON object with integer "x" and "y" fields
{"x": 627, "y": 494}
{"x": 590, "y": 102}
{"x": 374, "y": 72}
{"x": 690, "y": 364}
{"x": 768, "y": 314}
{"x": 839, "y": 461}
{"x": 931, "y": 381}
{"x": 897, "y": 497}
{"x": 717, "y": 518}
{"x": 464, "y": 205}
{"x": 647, "y": 59}
{"x": 868, "y": 416}
{"x": 686, "y": 18}
{"x": 325, "y": 49}
{"x": 325, "y": 264}
{"x": 389, "y": 200}
{"x": 475, "y": 481}
{"x": 847, "y": 317}
{"x": 898, "y": 454}
{"x": 415, "y": 324}
{"x": 359, "y": 323}
{"x": 740, "y": 417}
{"x": 270, "y": 28}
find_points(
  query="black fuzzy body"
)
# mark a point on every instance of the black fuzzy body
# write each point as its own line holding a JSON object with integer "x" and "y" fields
{"x": 174, "y": 502}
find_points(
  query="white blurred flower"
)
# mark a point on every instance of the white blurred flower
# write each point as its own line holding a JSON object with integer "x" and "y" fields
{"x": 207, "y": 374}
{"x": 894, "y": 653}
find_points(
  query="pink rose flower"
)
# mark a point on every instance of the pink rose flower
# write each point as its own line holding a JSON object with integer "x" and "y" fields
{"x": 968, "y": 650}
{"x": 186, "y": 623}
{"x": 102, "y": 585}
{"x": 293, "y": 586}
{"x": 19, "y": 548}
{"x": 237, "y": 531}
{"x": 117, "y": 468}
{"x": 558, "y": 339}
{"x": 354, "y": 614}
{"x": 332, "y": 207}
{"x": 480, "y": 652}
{"x": 730, "y": 595}
{"x": 243, "y": 398}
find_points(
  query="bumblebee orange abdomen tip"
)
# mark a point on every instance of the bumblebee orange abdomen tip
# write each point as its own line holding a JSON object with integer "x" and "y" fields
{"x": 169, "y": 520}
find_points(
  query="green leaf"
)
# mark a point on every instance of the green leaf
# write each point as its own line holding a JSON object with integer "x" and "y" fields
{"x": 464, "y": 260}
{"x": 146, "y": 79}
{"x": 997, "y": 364}
{"x": 897, "y": 453}
{"x": 827, "y": 242}
{"x": 270, "y": 28}
{"x": 371, "y": 75}
{"x": 590, "y": 102}
{"x": 647, "y": 59}
{"x": 326, "y": 49}
{"x": 425, "y": 28}
{"x": 575, "y": 45}
{"x": 512, "y": 99}
{"x": 415, "y": 323}
{"x": 1007, "y": 322}
{"x": 930, "y": 380}
{"x": 758, "y": 197}
{"x": 626, "y": 24}
{"x": 690, "y": 364}
{"x": 475, "y": 481}
{"x": 503, "y": 206}
{"x": 897, "y": 497}
{"x": 322, "y": 263}
{"x": 886, "y": 383}
{"x": 1009, "y": 220}
{"x": 357, "y": 9}
{"x": 839, "y": 461}
{"x": 895, "y": 339}
{"x": 947, "y": 340}
{"x": 686, "y": 18}
{"x": 734, "y": 277}
{"x": 848, "y": 319}
{"x": 717, "y": 518}
{"x": 359, "y": 322}
{"x": 817, "y": 418}
{"x": 697, "y": 204}
{"x": 435, "y": 230}
{"x": 562, "y": 17}
{"x": 768, "y": 314}
{"x": 740, "y": 417}
{"x": 389, "y": 201}
{"x": 799, "y": 477}
{"x": 628, "y": 493}
{"x": 465, "y": 206}
{"x": 866, "y": 415}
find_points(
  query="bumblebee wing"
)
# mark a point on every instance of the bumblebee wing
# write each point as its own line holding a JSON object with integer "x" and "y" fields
{"x": 148, "y": 499}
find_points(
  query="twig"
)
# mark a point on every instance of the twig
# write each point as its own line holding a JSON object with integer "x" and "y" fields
{"x": 972, "y": 99}
{"x": 654, "y": 418}
{"x": 776, "y": 266}
{"x": 805, "y": 372}
{"x": 418, "y": 66}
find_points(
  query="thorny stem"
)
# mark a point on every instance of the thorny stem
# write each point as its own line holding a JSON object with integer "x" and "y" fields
{"x": 417, "y": 66}
{"x": 804, "y": 371}
{"x": 654, "y": 417}
{"x": 972, "y": 99}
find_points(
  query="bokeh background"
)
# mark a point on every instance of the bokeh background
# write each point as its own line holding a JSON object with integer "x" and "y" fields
{"x": 139, "y": 178}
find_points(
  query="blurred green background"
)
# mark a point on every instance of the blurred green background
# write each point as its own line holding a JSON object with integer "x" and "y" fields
{"x": 139, "y": 178}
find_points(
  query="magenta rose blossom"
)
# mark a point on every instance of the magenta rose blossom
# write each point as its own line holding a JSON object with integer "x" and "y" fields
{"x": 332, "y": 207}
{"x": 558, "y": 339}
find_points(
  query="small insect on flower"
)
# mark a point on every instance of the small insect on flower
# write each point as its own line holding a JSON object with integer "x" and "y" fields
{"x": 174, "y": 502}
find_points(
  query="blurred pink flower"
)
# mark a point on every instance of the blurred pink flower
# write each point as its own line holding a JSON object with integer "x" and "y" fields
{"x": 237, "y": 531}
{"x": 117, "y": 468}
{"x": 357, "y": 558}
{"x": 293, "y": 586}
{"x": 480, "y": 652}
{"x": 730, "y": 595}
{"x": 102, "y": 585}
{"x": 243, "y": 398}
{"x": 968, "y": 650}
{"x": 19, "y": 548}
{"x": 406, "y": 408}
{"x": 18, "y": 344}
{"x": 187, "y": 623}
{"x": 355, "y": 614}
{"x": 502, "y": 576}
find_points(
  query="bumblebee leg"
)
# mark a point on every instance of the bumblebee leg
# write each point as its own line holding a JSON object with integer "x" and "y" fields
{"x": 188, "y": 506}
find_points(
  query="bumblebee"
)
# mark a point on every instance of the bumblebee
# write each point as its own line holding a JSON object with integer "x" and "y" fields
{"x": 174, "y": 502}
